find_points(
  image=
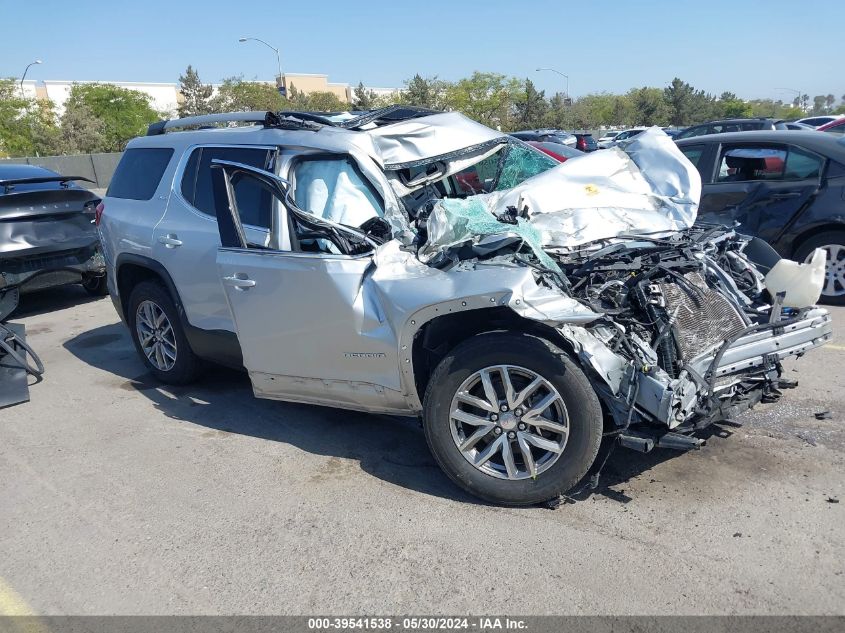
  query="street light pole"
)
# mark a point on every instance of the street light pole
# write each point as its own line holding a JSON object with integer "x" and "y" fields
{"x": 561, "y": 74}
{"x": 798, "y": 93}
{"x": 37, "y": 61}
{"x": 272, "y": 48}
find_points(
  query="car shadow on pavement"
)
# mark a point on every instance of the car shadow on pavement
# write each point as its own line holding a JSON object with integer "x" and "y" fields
{"x": 50, "y": 299}
{"x": 392, "y": 448}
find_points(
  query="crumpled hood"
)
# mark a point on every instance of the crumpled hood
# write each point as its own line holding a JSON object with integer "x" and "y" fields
{"x": 643, "y": 186}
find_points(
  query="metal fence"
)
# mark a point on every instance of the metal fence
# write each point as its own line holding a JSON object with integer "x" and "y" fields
{"x": 97, "y": 167}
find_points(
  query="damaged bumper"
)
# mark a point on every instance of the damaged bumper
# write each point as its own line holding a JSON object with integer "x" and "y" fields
{"x": 37, "y": 272}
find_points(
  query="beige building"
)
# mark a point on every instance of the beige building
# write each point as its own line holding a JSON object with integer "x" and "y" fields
{"x": 165, "y": 97}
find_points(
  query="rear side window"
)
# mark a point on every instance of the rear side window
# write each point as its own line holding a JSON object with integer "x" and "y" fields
{"x": 139, "y": 172}
{"x": 801, "y": 165}
{"x": 254, "y": 202}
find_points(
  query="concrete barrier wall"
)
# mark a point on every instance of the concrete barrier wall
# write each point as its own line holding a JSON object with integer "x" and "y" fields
{"x": 97, "y": 167}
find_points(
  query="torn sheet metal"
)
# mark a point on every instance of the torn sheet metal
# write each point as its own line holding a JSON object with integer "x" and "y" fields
{"x": 430, "y": 138}
{"x": 643, "y": 186}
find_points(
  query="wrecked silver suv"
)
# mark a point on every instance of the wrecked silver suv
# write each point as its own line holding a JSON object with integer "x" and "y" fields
{"x": 524, "y": 309}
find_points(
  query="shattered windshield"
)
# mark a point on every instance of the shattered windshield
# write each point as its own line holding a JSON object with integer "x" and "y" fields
{"x": 507, "y": 167}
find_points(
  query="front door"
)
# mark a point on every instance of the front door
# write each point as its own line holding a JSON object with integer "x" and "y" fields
{"x": 309, "y": 328}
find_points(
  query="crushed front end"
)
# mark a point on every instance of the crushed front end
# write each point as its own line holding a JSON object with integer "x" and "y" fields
{"x": 688, "y": 333}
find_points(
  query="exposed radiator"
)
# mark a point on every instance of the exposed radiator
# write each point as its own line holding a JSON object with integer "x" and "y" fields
{"x": 701, "y": 319}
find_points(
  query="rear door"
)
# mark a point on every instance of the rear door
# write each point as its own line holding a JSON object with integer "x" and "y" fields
{"x": 185, "y": 241}
{"x": 306, "y": 327}
{"x": 761, "y": 186}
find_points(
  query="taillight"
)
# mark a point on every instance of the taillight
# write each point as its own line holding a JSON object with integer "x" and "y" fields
{"x": 98, "y": 213}
{"x": 582, "y": 143}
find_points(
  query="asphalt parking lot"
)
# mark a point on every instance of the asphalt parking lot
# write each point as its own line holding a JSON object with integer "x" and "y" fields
{"x": 119, "y": 496}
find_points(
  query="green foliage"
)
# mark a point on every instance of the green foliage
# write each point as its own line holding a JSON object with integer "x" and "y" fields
{"x": 688, "y": 105}
{"x": 530, "y": 107}
{"x": 237, "y": 95}
{"x": 27, "y": 126}
{"x": 124, "y": 114}
{"x": 364, "y": 99}
{"x": 485, "y": 97}
{"x": 425, "y": 92}
{"x": 650, "y": 106}
{"x": 197, "y": 97}
{"x": 325, "y": 102}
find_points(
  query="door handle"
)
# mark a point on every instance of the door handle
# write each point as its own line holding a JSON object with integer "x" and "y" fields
{"x": 239, "y": 281}
{"x": 170, "y": 240}
{"x": 784, "y": 195}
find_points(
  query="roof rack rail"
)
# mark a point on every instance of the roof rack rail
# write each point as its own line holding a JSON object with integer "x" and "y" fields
{"x": 160, "y": 127}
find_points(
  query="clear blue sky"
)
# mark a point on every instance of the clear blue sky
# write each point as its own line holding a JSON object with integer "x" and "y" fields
{"x": 750, "y": 48}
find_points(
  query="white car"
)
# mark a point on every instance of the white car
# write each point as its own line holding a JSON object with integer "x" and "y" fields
{"x": 625, "y": 134}
{"x": 818, "y": 121}
{"x": 608, "y": 138}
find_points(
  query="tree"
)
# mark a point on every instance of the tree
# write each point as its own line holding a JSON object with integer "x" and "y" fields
{"x": 81, "y": 132}
{"x": 237, "y": 95}
{"x": 829, "y": 100}
{"x": 425, "y": 92}
{"x": 27, "y": 126}
{"x": 364, "y": 99}
{"x": 197, "y": 97}
{"x": 649, "y": 106}
{"x": 530, "y": 107}
{"x": 485, "y": 97}
{"x": 732, "y": 107}
{"x": 325, "y": 102}
{"x": 124, "y": 114}
{"x": 818, "y": 105}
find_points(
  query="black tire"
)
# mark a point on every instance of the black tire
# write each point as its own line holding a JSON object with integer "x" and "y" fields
{"x": 96, "y": 286}
{"x": 186, "y": 366}
{"x": 823, "y": 239}
{"x": 536, "y": 355}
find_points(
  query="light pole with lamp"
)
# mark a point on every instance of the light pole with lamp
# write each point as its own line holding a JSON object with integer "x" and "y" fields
{"x": 553, "y": 70}
{"x": 279, "y": 83}
{"x": 26, "y": 70}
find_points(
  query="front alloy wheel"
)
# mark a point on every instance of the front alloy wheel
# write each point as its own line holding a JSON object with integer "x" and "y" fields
{"x": 509, "y": 422}
{"x": 511, "y": 418}
{"x": 155, "y": 335}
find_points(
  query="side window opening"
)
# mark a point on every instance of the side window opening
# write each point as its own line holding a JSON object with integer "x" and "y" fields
{"x": 742, "y": 164}
{"x": 197, "y": 187}
{"x": 801, "y": 165}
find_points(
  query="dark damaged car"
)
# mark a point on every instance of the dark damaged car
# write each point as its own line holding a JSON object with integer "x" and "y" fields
{"x": 47, "y": 234}
{"x": 533, "y": 314}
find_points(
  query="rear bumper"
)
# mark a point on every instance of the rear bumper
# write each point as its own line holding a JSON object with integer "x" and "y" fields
{"x": 50, "y": 270}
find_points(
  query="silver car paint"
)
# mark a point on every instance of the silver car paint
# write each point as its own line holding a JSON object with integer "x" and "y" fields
{"x": 339, "y": 330}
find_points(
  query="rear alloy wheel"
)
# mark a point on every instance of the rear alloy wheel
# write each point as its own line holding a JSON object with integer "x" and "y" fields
{"x": 158, "y": 336}
{"x": 512, "y": 419}
{"x": 833, "y": 244}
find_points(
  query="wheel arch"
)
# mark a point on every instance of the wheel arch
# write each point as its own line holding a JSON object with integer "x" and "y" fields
{"x": 450, "y": 324}
{"x": 802, "y": 238}
{"x": 132, "y": 269}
